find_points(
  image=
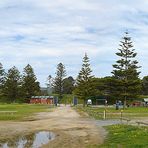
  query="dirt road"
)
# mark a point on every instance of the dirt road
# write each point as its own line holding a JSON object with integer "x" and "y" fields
{"x": 72, "y": 130}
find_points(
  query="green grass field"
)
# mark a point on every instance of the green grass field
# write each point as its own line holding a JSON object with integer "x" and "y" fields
{"x": 125, "y": 136}
{"x": 20, "y": 111}
{"x": 112, "y": 113}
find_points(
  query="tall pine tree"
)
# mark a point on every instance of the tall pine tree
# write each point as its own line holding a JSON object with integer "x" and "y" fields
{"x": 12, "y": 84}
{"x": 84, "y": 84}
{"x": 30, "y": 85}
{"x": 59, "y": 80}
{"x": 126, "y": 76}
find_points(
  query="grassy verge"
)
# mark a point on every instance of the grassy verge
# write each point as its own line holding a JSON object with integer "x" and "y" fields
{"x": 125, "y": 136}
{"x": 120, "y": 136}
{"x": 20, "y": 111}
{"x": 111, "y": 113}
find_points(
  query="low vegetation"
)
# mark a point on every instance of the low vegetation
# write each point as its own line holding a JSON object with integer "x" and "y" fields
{"x": 126, "y": 136}
{"x": 20, "y": 111}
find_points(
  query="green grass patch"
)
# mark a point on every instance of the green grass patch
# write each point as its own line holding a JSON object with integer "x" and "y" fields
{"x": 126, "y": 136}
{"x": 22, "y": 110}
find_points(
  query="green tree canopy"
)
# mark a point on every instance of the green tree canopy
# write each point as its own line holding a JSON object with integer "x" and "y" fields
{"x": 68, "y": 85}
{"x": 145, "y": 85}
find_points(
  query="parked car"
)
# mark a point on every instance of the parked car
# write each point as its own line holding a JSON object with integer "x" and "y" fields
{"x": 145, "y": 102}
{"x": 89, "y": 102}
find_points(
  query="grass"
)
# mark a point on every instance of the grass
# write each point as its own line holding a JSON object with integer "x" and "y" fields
{"x": 120, "y": 136}
{"x": 112, "y": 113}
{"x": 22, "y": 110}
{"x": 125, "y": 136}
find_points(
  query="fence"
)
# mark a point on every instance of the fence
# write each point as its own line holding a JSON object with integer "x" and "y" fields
{"x": 123, "y": 116}
{"x": 128, "y": 120}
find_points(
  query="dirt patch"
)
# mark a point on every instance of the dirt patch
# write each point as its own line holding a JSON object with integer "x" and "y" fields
{"x": 70, "y": 128}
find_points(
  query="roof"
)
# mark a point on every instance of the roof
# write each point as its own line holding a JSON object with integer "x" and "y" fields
{"x": 145, "y": 99}
{"x": 42, "y": 97}
{"x": 98, "y": 97}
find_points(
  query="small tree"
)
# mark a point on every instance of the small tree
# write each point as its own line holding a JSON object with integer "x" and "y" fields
{"x": 84, "y": 84}
{"x": 12, "y": 84}
{"x": 2, "y": 78}
{"x": 58, "y": 81}
{"x": 49, "y": 84}
{"x": 126, "y": 76}
{"x": 30, "y": 86}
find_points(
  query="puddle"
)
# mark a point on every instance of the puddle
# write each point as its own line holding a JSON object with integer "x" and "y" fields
{"x": 35, "y": 140}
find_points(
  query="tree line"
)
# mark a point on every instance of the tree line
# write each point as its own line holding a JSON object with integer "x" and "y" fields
{"x": 18, "y": 87}
{"x": 123, "y": 84}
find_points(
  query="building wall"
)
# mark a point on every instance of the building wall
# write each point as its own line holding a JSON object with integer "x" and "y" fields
{"x": 41, "y": 101}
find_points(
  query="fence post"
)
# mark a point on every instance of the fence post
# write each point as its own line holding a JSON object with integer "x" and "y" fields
{"x": 104, "y": 114}
{"x": 121, "y": 115}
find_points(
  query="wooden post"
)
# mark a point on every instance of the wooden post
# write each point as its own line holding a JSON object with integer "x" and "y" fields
{"x": 121, "y": 115}
{"x": 104, "y": 114}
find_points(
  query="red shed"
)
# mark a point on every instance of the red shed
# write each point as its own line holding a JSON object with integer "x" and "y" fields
{"x": 41, "y": 100}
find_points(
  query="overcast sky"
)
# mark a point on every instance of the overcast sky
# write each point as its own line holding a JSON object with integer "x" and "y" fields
{"x": 46, "y": 32}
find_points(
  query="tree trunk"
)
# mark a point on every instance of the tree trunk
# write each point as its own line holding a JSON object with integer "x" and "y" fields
{"x": 124, "y": 105}
{"x": 84, "y": 103}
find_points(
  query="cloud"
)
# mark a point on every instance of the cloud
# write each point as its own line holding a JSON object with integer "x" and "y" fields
{"x": 44, "y": 33}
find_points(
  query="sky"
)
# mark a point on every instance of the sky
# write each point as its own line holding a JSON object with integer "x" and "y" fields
{"x": 44, "y": 33}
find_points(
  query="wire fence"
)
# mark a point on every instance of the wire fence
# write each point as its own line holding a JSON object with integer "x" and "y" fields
{"x": 110, "y": 113}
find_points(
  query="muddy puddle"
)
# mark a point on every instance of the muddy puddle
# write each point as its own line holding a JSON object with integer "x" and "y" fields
{"x": 34, "y": 140}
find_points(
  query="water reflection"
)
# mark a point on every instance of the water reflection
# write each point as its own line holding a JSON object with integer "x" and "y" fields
{"x": 34, "y": 140}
